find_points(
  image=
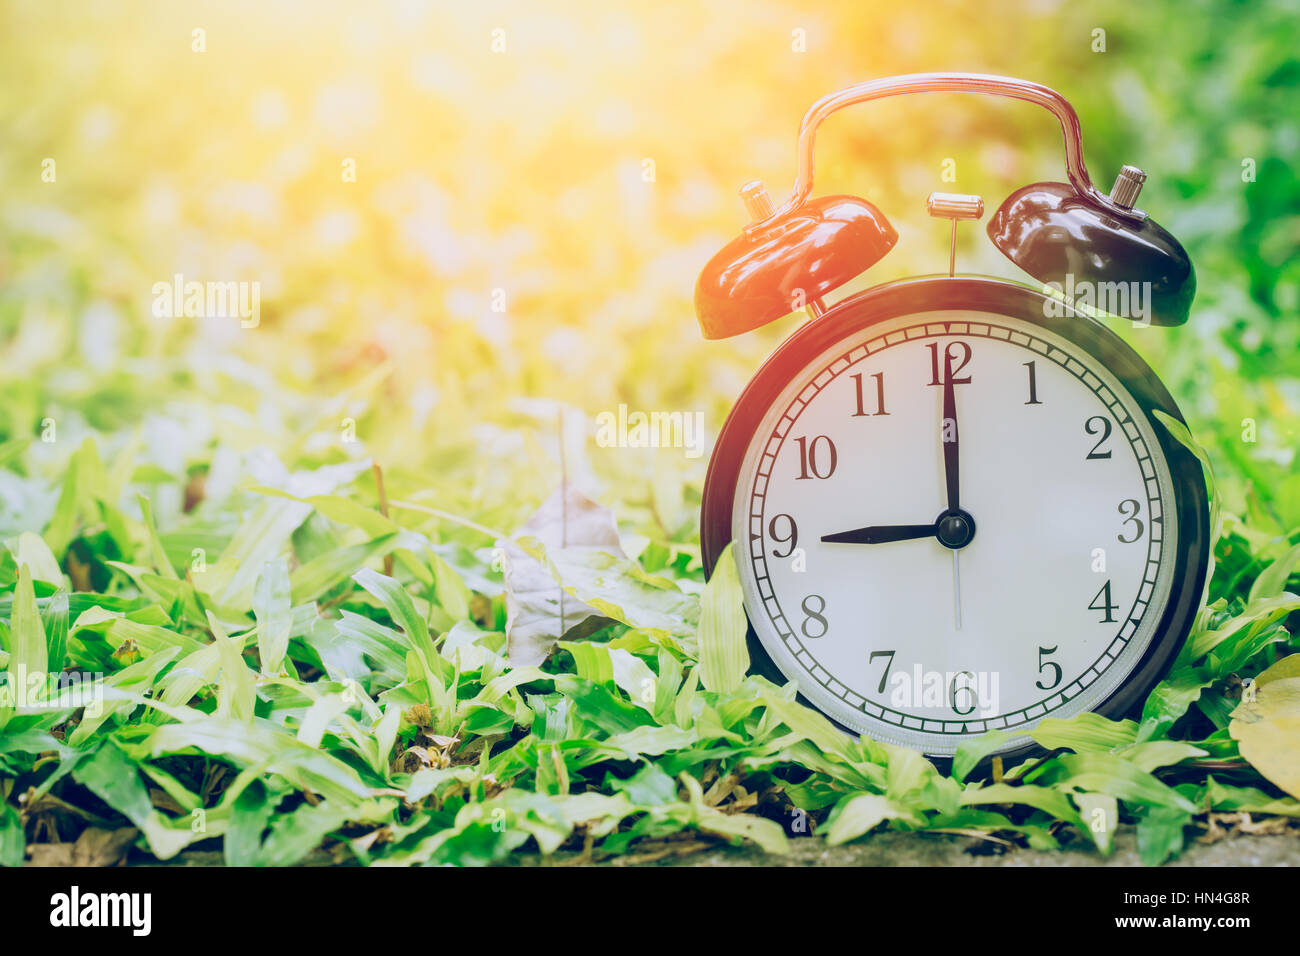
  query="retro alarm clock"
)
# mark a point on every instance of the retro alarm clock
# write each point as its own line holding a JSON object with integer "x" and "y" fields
{"x": 952, "y": 506}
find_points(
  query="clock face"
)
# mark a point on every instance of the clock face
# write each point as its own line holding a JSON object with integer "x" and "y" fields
{"x": 954, "y": 522}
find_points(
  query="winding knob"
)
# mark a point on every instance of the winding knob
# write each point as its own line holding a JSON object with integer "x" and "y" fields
{"x": 758, "y": 201}
{"x": 1127, "y": 186}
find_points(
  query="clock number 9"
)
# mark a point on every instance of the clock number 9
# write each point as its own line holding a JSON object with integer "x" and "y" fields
{"x": 810, "y": 461}
{"x": 792, "y": 537}
{"x": 1052, "y": 664}
{"x": 814, "y": 614}
{"x": 1136, "y": 507}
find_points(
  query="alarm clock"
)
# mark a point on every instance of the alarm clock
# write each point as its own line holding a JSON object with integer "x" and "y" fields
{"x": 951, "y": 503}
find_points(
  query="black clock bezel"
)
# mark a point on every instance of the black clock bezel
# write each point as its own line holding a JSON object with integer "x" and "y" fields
{"x": 909, "y": 296}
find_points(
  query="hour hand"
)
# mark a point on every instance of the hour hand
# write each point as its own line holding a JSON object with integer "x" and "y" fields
{"x": 881, "y": 533}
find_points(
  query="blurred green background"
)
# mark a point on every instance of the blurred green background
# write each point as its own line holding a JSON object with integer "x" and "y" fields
{"x": 523, "y": 169}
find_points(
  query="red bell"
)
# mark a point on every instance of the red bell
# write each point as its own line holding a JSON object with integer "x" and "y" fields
{"x": 782, "y": 263}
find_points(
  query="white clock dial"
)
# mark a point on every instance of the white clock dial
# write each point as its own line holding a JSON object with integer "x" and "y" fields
{"x": 1053, "y": 599}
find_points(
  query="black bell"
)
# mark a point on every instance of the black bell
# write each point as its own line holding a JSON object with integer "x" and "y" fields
{"x": 1058, "y": 236}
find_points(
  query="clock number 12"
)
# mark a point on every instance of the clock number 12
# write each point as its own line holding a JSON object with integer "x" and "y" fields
{"x": 951, "y": 364}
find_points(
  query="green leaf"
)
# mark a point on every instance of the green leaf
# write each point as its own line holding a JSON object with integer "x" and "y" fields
{"x": 1257, "y": 614}
{"x": 1172, "y": 697}
{"x": 450, "y": 590}
{"x": 262, "y": 537}
{"x": 1086, "y": 733}
{"x": 36, "y": 554}
{"x": 54, "y": 620}
{"x": 235, "y": 694}
{"x": 724, "y": 659}
{"x": 294, "y": 835}
{"x": 591, "y": 661}
{"x": 1160, "y": 833}
{"x": 318, "y": 718}
{"x": 112, "y": 777}
{"x": 1225, "y": 797}
{"x": 341, "y": 510}
{"x": 29, "y": 653}
{"x": 1052, "y": 802}
{"x": 766, "y": 833}
{"x": 13, "y": 841}
{"x": 84, "y": 476}
{"x": 1272, "y": 580}
{"x": 1183, "y": 436}
{"x": 596, "y": 705}
{"x": 274, "y": 612}
{"x": 1154, "y": 754}
{"x": 648, "y": 787}
{"x": 649, "y": 741}
{"x": 250, "y": 814}
{"x": 158, "y": 553}
{"x": 806, "y": 722}
{"x": 320, "y": 575}
{"x": 401, "y": 608}
{"x": 858, "y": 813}
{"x": 256, "y": 745}
{"x": 1100, "y": 815}
{"x": 972, "y": 750}
{"x": 1107, "y": 774}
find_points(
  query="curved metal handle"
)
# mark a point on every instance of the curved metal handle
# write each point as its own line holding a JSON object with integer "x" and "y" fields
{"x": 985, "y": 83}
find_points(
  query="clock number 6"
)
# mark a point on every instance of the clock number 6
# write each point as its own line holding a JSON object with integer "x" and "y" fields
{"x": 1052, "y": 664}
{"x": 954, "y": 690}
{"x": 1136, "y": 507}
{"x": 810, "y": 461}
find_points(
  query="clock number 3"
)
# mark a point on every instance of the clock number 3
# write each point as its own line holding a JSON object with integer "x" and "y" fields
{"x": 1125, "y": 507}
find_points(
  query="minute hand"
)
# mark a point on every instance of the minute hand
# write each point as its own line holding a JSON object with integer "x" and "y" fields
{"x": 882, "y": 533}
{"x": 950, "y": 442}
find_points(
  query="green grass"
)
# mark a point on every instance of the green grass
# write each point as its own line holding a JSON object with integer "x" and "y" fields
{"x": 284, "y": 696}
